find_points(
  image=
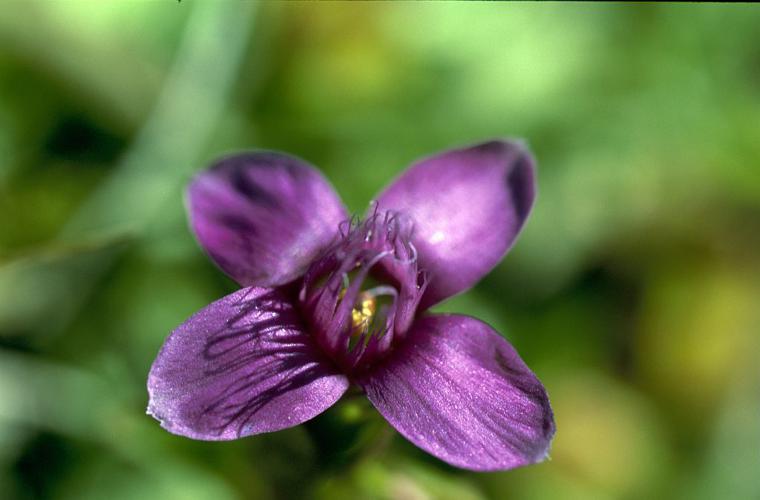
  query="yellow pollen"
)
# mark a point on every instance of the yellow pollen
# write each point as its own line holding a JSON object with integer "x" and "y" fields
{"x": 361, "y": 316}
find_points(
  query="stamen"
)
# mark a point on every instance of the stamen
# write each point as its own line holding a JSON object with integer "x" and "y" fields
{"x": 362, "y": 316}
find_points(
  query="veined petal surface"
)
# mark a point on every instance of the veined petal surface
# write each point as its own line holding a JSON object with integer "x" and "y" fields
{"x": 460, "y": 392}
{"x": 241, "y": 366}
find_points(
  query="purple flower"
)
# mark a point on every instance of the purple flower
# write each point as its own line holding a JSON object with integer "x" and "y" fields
{"x": 330, "y": 302}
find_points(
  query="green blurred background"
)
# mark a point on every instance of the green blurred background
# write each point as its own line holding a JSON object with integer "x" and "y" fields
{"x": 633, "y": 292}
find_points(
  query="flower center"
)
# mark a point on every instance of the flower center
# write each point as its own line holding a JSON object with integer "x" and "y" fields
{"x": 361, "y": 295}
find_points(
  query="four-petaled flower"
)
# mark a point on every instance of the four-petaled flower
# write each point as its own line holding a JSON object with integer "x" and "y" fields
{"x": 331, "y": 302}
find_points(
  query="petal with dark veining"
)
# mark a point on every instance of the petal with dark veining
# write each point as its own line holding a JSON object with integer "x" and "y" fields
{"x": 241, "y": 366}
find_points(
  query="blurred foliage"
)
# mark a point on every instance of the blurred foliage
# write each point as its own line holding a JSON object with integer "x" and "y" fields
{"x": 632, "y": 293}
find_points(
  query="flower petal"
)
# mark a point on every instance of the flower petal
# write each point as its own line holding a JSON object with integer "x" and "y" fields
{"x": 468, "y": 206}
{"x": 459, "y": 391}
{"x": 241, "y": 366}
{"x": 262, "y": 217}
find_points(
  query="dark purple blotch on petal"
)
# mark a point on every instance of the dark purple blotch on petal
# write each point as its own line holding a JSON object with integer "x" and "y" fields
{"x": 468, "y": 206}
{"x": 263, "y": 217}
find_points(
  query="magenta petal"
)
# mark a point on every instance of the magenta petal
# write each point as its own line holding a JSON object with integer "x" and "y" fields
{"x": 468, "y": 205}
{"x": 262, "y": 217}
{"x": 241, "y": 366}
{"x": 459, "y": 391}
